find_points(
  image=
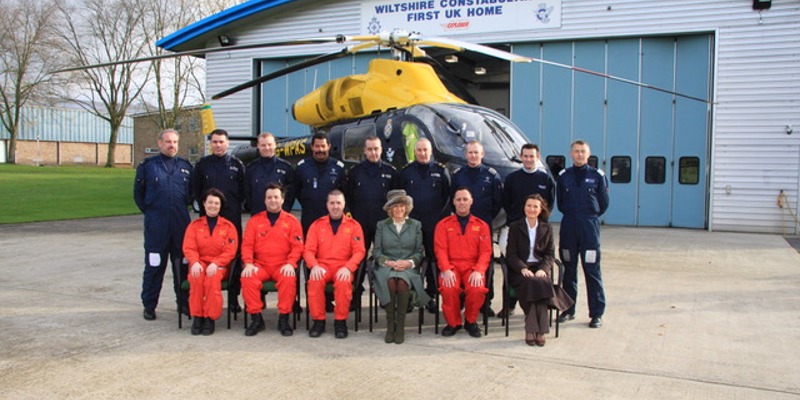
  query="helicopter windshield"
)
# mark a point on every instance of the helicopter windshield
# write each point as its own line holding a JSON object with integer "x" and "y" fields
{"x": 457, "y": 124}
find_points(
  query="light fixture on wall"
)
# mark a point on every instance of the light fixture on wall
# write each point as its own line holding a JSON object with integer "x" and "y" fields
{"x": 451, "y": 58}
{"x": 762, "y": 4}
{"x": 225, "y": 40}
{"x": 480, "y": 71}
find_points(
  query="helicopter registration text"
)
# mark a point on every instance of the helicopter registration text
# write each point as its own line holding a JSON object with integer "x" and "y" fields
{"x": 291, "y": 148}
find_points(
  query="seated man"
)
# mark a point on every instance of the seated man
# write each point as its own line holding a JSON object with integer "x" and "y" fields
{"x": 271, "y": 249}
{"x": 463, "y": 247}
{"x": 334, "y": 249}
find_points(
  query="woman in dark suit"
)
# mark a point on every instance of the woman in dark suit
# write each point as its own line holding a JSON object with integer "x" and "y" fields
{"x": 530, "y": 265}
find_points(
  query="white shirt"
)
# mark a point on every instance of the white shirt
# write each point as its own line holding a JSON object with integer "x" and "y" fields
{"x": 532, "y": 237}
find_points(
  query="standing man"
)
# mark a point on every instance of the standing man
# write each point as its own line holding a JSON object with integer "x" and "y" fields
{"x": 162, "y": 191}
{"x": 271, "y": 249}
{"x": 224, "y": 172}
{"x": 528, "y": 180}
{"x": 265, "y": 170}
{"x": 582, "y": 198}
{"x": 463, "y": 246}
{"x": 365, "y": 189}
{"x": 334, "y": 249}
{"x": 428, "y": 183}
{"x": 487, "y": 190}
{"x": 315, "y": 177}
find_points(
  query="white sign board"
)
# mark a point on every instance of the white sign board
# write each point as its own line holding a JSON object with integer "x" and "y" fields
{"x": 453, "y": 17}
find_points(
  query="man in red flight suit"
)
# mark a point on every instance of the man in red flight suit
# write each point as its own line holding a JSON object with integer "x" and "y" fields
{"x": 463, "y": 247}
{"x": 334, "y": 248}
{"x": 271, "y": 248}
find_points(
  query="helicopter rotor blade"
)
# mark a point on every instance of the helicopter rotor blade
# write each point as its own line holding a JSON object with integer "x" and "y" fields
{"x": 458, "y": 45}
{"x": 296, "y": 67}
{"x": 202, "y": 52}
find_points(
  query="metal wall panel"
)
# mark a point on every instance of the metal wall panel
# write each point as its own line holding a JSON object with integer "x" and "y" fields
{"x": 67, "y": 125}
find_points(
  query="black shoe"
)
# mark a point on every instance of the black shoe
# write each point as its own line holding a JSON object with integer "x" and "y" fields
{"x": 503, "y": 312}
{"x": 298, "y": 309}
{"x": 329, "y": 306}
{"x": 149, "y": 314}
{"x": 431, "y": 307}
{"x": 596, "y": 322}
{"x": 257, "y": 325}
{"x": 317, "y": 329}
{"x": 490, "y": 312}
{"x": 197, "y": 325}
{"x": 564, "y": 317}
{"x": 450, "y": 330}
{"x": 410, "y": 307}
{"x": 208, "y": 327}
{"x": 283, "y": 325}
{"x": 473, "y": 329}
{"x": 340, "y": 328}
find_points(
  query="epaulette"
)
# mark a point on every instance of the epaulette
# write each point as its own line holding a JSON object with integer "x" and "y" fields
{"x": 562, "y": 172}
{"x": 456, "y": 170}
{"x": 442, "y": 166}
{"x": 389, "y": 165}
{"x": 492, "y": 171}
{"x": 301, "y": 162}
{"x": 600, "y": 171}
{"x": 340, "y": 163}
{"x": 407, "y": 164}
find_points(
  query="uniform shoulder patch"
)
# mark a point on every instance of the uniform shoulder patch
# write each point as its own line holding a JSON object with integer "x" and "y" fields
{"x": 303, "y": 161}
{"x": 407, "y": 165}
{"x": 562, "y": 172}
{"x": 457, "y": 169}
{"x": 492, "y": 171}
{"x": 600, "y": 171}
{"x": 392, "y": 167}
{"x": 340, "y": 163}
{"x": 440, "y": 165}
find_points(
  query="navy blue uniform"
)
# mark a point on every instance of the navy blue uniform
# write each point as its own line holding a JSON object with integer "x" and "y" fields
{"x": 486, "y": 187}
{"x": 162, "y": 191}
{"x": 365, "y": 189}
{"x": 313, "y": 182}
{"x": 226, "y": 174}
{"x": 521, "y": 184}
{"x": 262, "y": 172}
{"x": 429, "y": 185}
{"x": 582, "y": 198}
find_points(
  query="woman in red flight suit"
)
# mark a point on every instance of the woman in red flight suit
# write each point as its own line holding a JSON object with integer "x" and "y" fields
{"x": 209, "y": 244}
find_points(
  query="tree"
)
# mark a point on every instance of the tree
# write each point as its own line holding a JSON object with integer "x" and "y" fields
{"x": 27, "y": 54}
{"x": 98, "y": 31}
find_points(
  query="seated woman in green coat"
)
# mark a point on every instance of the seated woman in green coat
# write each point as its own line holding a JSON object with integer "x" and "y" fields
{"x": 398, "y": 254}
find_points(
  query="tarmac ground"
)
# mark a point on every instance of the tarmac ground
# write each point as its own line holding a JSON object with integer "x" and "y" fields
{"x": 691, "y": 315}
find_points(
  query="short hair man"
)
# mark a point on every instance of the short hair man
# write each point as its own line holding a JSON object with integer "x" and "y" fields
{"x": 428, "y": 183}
{"x": 271, "y": 249}
{"x": 334, "y": 249}
{"x": 463, "y": 246}
{"x": 520, "y": 184}
{"x": 582, "y": 198}
{"x": 365, "y": 189}
{"x": 268, "y": 169}
{"x": 162, "y": 191}
{"x": 315, "y": 177}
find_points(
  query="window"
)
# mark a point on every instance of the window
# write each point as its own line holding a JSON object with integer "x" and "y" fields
{"x": 620, "y": 169}
{"x": 555, "y": 164}
{"x": 353, "y": 142}
{"x": 655, "y": 170}
{"x": 689, "y": 170}
{"x": 592, "y": 161}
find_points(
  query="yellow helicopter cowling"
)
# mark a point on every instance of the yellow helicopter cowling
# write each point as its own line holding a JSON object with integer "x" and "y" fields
{"x": 388, "y": 84}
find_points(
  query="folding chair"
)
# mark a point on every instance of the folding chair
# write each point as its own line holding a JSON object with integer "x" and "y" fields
{"x": 226, "y": 284}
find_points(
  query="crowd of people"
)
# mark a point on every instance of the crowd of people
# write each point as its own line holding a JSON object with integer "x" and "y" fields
{"x": 429, "y": 233}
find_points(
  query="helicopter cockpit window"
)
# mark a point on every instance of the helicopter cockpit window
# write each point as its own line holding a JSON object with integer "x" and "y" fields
{"x": 353, "y": 141}
{"x": 556, "y": 164}
{"x": 455, "y": 125}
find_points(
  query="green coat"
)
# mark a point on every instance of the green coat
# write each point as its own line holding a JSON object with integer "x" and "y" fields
{"x": 405, "y": 245}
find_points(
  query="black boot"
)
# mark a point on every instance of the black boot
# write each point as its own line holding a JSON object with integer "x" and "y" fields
{"x": 340, "y": 328}
{"x": 208, "y": 327}
{"x": 317, "y": 329}
{"x": 197, "y": 325}
{"x": 283, "y": 325}
{"x": 403, "y": 299}
{"x": 257, "y": 325}
{"x": 390, "y": 318}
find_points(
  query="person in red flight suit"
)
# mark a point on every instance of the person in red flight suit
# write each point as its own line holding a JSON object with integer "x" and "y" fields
{"x": 334, "y": 249}
{"x": 463, "y": 247}
{"x": 209, "y": 244}
{"x": 271, "y": 248}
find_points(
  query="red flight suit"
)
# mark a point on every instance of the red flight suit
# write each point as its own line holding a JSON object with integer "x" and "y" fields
{"x": 462, "y": 253}
{"x": 270, "y": 247}
{"x": 345, "y": 249}
{"x": 203, "y": 246}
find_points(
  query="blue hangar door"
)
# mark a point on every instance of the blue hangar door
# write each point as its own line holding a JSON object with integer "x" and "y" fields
{"x": 652, "y": 145}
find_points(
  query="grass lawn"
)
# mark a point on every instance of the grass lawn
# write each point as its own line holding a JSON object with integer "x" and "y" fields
{"x": 29, "y": 194}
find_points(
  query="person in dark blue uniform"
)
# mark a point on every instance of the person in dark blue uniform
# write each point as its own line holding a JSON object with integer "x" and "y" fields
{"x": 528, "y": 180}
{"x": 315, "y": 177}
{"x": 487, "y": 192}
{"x": 582, "y": 198}
{"x": 162, "y": 191}
{"x": 265, "y": 170}
{"x": 225, "y": 173}
{"x": 365, "y": 189}
{"x": 428, "y": 183}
